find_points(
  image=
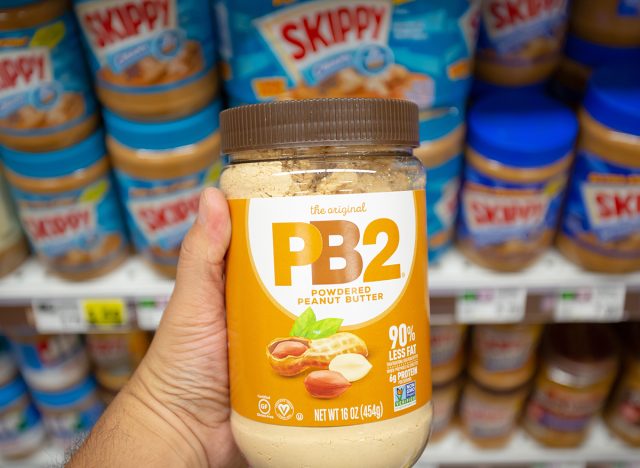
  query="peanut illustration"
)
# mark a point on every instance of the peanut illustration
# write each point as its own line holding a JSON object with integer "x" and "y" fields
{"x": 352, "y": 366}
{"x": 326, "y": 384}
{"x": 289, "y": 348}
{"x": 318, "y": 355}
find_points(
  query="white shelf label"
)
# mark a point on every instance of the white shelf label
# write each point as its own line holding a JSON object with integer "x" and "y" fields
{"x": 79, "y": 315}
{"x": 600, "y": 304}
{"x": 149, "y": 312}
{"x": 491, "y": 305}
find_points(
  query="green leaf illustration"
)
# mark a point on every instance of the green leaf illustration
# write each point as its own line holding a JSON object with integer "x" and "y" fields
{"x": 323, "y": 328}
{"x": 304, "y": 322}
{"x": 95, "y": 192}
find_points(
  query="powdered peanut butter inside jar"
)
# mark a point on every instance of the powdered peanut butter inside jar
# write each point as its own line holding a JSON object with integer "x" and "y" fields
{"x": 325, "y": 283}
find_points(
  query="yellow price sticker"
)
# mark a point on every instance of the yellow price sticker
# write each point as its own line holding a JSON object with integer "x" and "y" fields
{"x": 105, "y": 312}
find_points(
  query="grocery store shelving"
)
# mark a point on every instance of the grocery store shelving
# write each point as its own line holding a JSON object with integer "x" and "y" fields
{"x": 600, "y": 447}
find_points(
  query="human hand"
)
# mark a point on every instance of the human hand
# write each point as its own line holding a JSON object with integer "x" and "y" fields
{"x": 178, "y": 398}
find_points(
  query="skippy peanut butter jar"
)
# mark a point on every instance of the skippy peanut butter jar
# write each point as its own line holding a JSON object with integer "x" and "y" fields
{"x": 68, "y": 207}
{"x": 327, "y": 308}
{"x": 601, "y": 225}
{"x": 519, "y": 149}
{"x": 161, "y": 169}
{"x": 520, "y": 42}
{"x": 151, "y": 59}
{"x": 46, "y": 97}
{"x": 416, "y": 50}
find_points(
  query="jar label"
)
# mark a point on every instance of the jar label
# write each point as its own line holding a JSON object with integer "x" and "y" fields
{"x": 326, "y": 308}
{"x": 602, "y": 211}
{"x": 421, "y": 51}
{"x": 160, "y": 212}
{"x": 444, "y": 404}
{"x": 44, "y": 84}
{"x": 20, "y": 426}
{"x": 76, "y": 231}
{"x": 483, "y": 419}
{"x": 503, "y": 350}
{"x": 446, "y": 344}
{"x": 519, "y": 33}
{"x": 629, "y": 7}
{"x": 625, "y": 411}
{"x": 508, "y": 216}
{"x": 68, "y": 427}
{"x": 152, "y": 45}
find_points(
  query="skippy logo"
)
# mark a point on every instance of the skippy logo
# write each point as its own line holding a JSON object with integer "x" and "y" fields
{"x": 112, "y": 25}
{"x": 313, "y": 32}
{"x": 161, "y": 217}
{"x": 24, "y": 69}
{"x": 351, "y": 252}
{"x": 612, "y": 204}
{"x": 503, "y": 17}
{"x": 59, "y": 224}
{"x": 488, "y": 211}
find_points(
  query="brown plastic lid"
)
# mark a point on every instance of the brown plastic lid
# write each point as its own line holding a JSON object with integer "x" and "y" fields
{"x": 320, "y": 122}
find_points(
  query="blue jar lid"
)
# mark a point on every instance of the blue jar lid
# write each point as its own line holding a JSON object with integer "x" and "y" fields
{"x": 439, "y": 122}
{"x": 56, "y": 163}
{"x": 613, "y": 98}
{"x": 164, "y": 135}
{"x": 523, "y": 130}
{"x": 66, "y": 397}
{"x": 12, "y": 391}
{"x": 595, "y": 55}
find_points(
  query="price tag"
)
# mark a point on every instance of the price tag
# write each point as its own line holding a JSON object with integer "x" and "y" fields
{"x": 149, "y": 312}
{"x": 105, "y": 313}
{"x": 58, "y": 315}
{"x": 600, "y": 304}
{"x": 491, "y": 306}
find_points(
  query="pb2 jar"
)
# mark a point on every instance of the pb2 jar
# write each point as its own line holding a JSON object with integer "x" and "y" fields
{"x": 326, "y": 303}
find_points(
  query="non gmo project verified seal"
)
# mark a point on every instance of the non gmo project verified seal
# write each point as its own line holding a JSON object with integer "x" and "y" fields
{"x": 404, "y": 396}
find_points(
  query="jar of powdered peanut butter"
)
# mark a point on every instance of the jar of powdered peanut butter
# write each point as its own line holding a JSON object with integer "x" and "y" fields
{"x": 326, "y": 273}
{"x": 519, "y": 150}
{"x": 600, "y": 229}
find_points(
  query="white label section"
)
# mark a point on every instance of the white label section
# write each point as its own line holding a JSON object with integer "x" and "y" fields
{"x": 58, "y": 315}
{"x": 504, "y": 17}
{"x": 601, "y": 304}
{"x": 111, "y": 25}
{"x": 346, "y": 256}
{"x": 149, "y": 313}
{"x": 491, "y": 306}
{"x": 24, "y": 69}
{"x": 612, "y": 204}
{"x": 51, "y": 225}
{"x": 302, "y": 35}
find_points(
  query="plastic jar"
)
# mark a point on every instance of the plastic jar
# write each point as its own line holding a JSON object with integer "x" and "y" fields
{"x": 50, "y": 362}
{"x": 623, "y": 412}
{"x": 607, "y": 22}
{"x": 69, "y": 208}
{"x": 21, "y": 429}
{"x": 151, "y": 60}
{"x": 489, "y": 417}
{"x": 47, "y": 100}
{"x": 327, "y": 323}
{"x": 519, "y": 150}
{"x": 445, "y": 402}
{"x": 13, "y": 246}
{"x": 520, "y": 45}
{"x": 447, "y": 352}
{"x": 115, "y": 349}
{"x": 70, "y": 413}
{"x": 161, "y": 170}
{"x": 442, "y": 134}
{"x": 580, "y": 364}
{"x": 503, "y": 357}
{"x": 600, "y": 228}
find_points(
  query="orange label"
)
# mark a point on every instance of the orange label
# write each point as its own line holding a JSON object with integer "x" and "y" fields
{"x": 327, "y": 308}
{"x": 269, "y": 87}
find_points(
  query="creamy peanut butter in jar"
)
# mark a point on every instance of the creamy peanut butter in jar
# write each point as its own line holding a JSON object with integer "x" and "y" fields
{"x": 519, "y": 150}
{"x": 326, "y": 274}
{"x": 68, "y": 207}
{"x": 448, "y": 352}
{"x": 47, "y": 101}
{"x": 600, "y": 229}
{"x": 152, "y": 60}
{"x": 161, "y": 168}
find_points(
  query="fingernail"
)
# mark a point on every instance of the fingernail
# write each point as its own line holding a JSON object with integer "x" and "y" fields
{"x": 203, "y": 209}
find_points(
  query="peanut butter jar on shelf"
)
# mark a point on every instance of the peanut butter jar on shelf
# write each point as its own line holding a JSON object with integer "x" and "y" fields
{"x": 151, "y": 60}
{"x": 13, "y": 246}
{"x": 623, "y": 412}
{"x": 68, "y": 207}
{"x": 327, "y": 314}
{"x": 489, "y": 416}
{"x": 47, "y": 101}
{"x": 600, "y": 230}
{"x": 520, "y": 46}
{"x": 161, "y": 168}
{"x": 579, "y": 367}
{"x": 447, "y": 352}
{"x": 445, "y": 404}
{"x": 519, "y": 150}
